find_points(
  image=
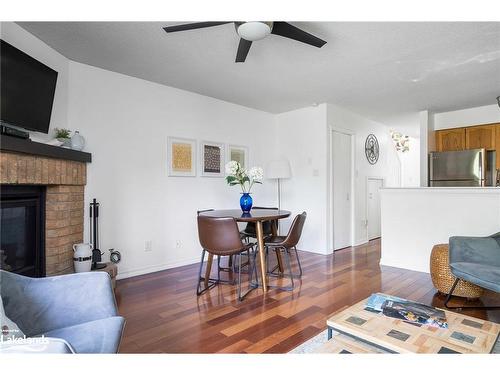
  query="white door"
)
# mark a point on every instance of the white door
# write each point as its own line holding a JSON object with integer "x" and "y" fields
{"x": 373, "y": 191}
{"x": 341, "y": 163}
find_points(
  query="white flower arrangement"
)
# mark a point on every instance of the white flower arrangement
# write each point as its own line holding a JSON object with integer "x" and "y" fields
{"x": 239, "y": 176}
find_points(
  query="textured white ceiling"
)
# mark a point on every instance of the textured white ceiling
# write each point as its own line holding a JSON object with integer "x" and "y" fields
{"x": 378, "y": 69}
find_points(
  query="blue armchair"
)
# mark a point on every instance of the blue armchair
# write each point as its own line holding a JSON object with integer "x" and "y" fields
{"x": 476, "y": 260}
{"x": 79, "y": 308}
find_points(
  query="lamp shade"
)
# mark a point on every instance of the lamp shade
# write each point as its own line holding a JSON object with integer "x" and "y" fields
{"x": 278, "y": 169}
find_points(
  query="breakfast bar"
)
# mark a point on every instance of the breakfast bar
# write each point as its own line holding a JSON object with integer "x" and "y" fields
{"x": 413, "y": 220}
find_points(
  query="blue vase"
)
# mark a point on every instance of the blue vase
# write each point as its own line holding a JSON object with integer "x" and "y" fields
{"x": 246, "y": 202}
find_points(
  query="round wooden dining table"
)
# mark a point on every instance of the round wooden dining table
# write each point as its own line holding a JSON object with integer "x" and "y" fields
{"x": 257, "y": 216}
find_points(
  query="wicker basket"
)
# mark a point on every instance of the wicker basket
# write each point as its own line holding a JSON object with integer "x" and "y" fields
{"x": 443, "y": 279}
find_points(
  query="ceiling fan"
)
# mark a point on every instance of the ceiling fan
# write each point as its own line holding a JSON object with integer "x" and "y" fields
{"x": 255, "y": 30}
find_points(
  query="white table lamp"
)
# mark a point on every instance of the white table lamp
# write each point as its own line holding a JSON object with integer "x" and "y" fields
{"x": 278, "y": 170}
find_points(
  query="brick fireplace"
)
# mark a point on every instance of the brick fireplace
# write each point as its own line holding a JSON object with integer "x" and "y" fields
{"x": 64, "y": 205}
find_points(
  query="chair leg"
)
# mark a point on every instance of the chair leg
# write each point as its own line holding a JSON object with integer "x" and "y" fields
{"x": 200, "y": 279}
{"x": 448, "y": 297}
{"x": 239, "y": 276}
{"x": 287, "y": 260}
{"x": 283, "y": 274}
{"x": 254, "y": 269}
{"x": 250, "y": 275}
{"x": 277, "y": 266}
{"x": 229, "y": 267}
{"x": 450, "y": 294}
{"x": 218, "y": 267}
{"x": 211, "y": 282}
{"x": 298, "y": 261}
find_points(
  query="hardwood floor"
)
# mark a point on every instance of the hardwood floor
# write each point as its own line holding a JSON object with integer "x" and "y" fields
{"x": 164, "y": 315}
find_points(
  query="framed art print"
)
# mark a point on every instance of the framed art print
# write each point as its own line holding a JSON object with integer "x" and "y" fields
{"x": 239, "y": 154}
{"x": 181, "y": 157}
{"x": 212, "y": 159}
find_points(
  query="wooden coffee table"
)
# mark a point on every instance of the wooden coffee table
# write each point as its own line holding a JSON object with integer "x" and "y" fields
{"x": 464, "y": 334}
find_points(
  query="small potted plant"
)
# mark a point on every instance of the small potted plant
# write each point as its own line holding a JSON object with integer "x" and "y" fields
{"x": 236, "y": 175}
{"x": 63, "y": 136}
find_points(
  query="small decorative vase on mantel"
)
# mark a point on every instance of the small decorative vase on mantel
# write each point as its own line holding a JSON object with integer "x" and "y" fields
{"x": 237, "y": 175}
{"x": 77, "y": 141}
{"x": 246, "y": 202}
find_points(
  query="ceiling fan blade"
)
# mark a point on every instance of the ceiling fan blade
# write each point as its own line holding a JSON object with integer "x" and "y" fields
{"x": 243, "y": 49}
{"x": 192, "y": 26}
{"x": 289, "y": 31}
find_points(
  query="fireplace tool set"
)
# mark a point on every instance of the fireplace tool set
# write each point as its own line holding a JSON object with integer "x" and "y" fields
{"x": 94, "y": 236}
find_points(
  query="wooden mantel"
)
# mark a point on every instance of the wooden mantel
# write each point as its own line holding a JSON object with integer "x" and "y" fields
{"x": 26, "y": 146}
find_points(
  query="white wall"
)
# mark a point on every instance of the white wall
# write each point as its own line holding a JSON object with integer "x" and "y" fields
{"x": 410, "y": 164}
{"x": 408, "y": 124}
{"x": 466, "y": 117}
{"x": 387, "y": 167}
{"x": 302, "y": 139}
{"x": 414, "y": 220}
{"x": 26, "y": 42}
{"x": 126, "y": 122}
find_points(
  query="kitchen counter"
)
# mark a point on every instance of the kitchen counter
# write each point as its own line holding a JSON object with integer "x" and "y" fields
{"x": 413, "y": 220}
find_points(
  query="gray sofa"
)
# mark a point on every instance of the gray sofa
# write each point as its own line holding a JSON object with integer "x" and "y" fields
{"x": 79, "y": 308}
{"x": 476, "y": 260}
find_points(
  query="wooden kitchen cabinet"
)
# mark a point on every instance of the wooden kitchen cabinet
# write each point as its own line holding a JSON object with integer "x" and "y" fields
{"x": 479, "y": 136}
{"x": 483, "y": 136}
{"x": 450, "y": 139}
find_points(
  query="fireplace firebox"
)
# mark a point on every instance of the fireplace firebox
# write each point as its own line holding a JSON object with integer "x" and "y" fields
{"x": 22, "y": 229}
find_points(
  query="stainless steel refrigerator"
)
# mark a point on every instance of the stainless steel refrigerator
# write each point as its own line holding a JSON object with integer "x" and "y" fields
{"x": 462, "y": 168}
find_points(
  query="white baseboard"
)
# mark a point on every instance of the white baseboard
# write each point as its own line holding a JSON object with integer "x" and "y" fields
{"x": 403, "y": 265}
{"x": 155, "y": 268}
{"x": 360, "y": 242}
{"x": 314, "y": 251}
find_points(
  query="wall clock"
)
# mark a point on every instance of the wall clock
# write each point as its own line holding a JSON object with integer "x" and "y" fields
{"x": 371, "y": 149}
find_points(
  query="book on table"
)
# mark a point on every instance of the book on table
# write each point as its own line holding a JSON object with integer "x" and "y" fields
{"x": 410, "y": 311}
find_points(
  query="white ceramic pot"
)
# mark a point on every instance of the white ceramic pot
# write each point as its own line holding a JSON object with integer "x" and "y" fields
{"x": 82, "y": 257}
{"x": 65, "y": 142}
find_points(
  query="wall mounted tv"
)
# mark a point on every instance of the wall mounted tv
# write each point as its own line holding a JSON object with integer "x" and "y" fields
{"x": 27, "y": 90}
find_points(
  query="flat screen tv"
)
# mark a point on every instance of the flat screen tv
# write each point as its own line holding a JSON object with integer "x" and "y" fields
{"x": 27, "y": 90}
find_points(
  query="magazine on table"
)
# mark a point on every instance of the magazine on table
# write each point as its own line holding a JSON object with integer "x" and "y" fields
{"x": 410, "y": 311}
{"x": 376, "y": 301}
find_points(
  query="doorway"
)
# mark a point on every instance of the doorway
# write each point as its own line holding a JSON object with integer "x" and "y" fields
{"x": 373, "y": 186}
{"x": 342, "y": 175}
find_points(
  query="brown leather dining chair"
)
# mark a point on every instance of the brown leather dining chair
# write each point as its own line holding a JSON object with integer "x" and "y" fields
{"x": 221, "y": 237}
{"x": 286, "y": 244}
{"x": 230, "y": 258}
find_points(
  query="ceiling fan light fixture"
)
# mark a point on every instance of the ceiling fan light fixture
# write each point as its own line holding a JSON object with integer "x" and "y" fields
{"x": 255, "y": 30}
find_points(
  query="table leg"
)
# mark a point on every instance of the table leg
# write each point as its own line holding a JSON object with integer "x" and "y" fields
{"x": 262, "y": 255}
{"x": 209, "y": 268}
{"x": 274, "y": 231}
